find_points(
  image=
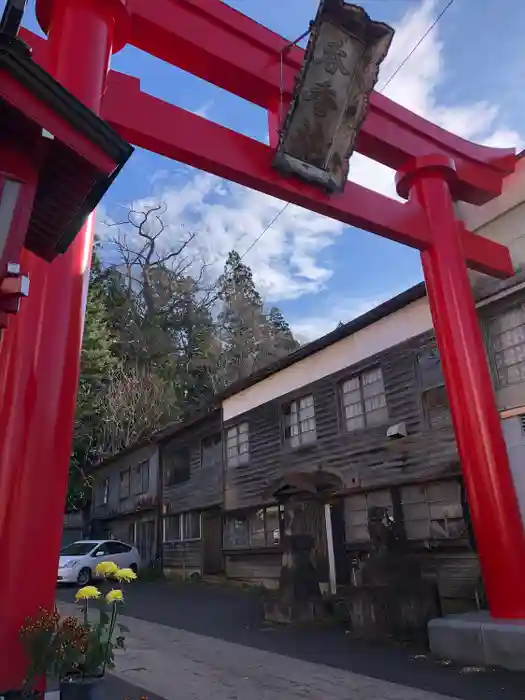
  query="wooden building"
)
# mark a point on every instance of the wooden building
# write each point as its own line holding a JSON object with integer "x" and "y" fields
{"x": 191, "y": 481}
{"x": 364, "y": 411}
{"x": 361, "y": 412}
{"x": 125, "y": 502}
{"x": 361, "y": 417}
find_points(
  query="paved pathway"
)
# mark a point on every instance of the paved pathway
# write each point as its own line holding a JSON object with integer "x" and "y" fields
{"x": 190, "y": 642}
{"x": 180, "y": 665}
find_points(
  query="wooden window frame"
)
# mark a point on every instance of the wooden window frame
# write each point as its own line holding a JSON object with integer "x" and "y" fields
{"x": 104, "y": 490}
{"x": 145, "y": 469}
{"x": 240, "y": 458}
{"x": 143, "y": 484}
{"x": 124, "y": 496}
{"x": 219, "y": 460}
{"x": 304, "y": 437}
{"x": 342, "y": 406}
{"x": 369, "y": 498}
{"x": 429, "y": 504}
{"x": 491, "y": 336}
{"x": 170, "y": 462}
{"x": 181, "y": 527}
{"x": 248, "y": 516}
{"x": 425, "y": 390}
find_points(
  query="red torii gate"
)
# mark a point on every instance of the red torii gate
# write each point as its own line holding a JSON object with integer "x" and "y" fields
{"x": 40, "y": 351}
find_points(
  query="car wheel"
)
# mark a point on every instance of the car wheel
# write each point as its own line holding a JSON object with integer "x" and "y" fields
{"x": 84, "y": 577}
{"x": 134, "y": 568}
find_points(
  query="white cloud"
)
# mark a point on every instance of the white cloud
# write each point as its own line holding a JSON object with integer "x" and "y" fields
{"x": 227, "y": 216}
{"x": 204, "y": 110}
{"x": 314, "y": 325}
{"x": 415, "y": 87}
{"x": 288, "y": 260}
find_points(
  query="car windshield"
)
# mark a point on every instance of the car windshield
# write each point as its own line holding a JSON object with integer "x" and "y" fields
{"x": 77, "y": 549}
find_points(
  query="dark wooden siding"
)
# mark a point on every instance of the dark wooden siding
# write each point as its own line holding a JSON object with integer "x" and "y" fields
{"x": 364, "y": 459}
{"x": 183, "y": 555}
{"x": 253, "y": 566}
{"x": 204, "y": 486}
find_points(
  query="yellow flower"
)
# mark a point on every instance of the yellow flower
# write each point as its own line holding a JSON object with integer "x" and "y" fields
{"x": 115, "y": 596}
{"x": 87, "y": 592}
{"x": 106, "y": 568}
{"x": 126, "y": 575}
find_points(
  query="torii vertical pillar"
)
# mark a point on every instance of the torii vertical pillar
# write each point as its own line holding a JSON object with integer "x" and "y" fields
{"x": 491, "y": 495}
{"x": 45, "y": 353}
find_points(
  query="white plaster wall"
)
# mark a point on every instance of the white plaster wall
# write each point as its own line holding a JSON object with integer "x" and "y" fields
{"x": 399, "y": 326}
{"x": 502, "y": 219}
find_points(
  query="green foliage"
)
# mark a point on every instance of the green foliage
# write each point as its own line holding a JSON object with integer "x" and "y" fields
{"x": 250, "y": 337}
{"x": 161, "y": 339}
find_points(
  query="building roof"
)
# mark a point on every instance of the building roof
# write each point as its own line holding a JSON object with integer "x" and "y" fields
{"x": 164, "y": 433}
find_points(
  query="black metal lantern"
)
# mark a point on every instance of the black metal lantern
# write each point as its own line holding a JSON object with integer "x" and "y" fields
{"x": 330, "y": 101}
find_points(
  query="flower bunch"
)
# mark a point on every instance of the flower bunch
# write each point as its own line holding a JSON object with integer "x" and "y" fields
{"x": 66, "y": 646}
{"x": 101, "y": 636}
{"x": 44, "y": 622}
{"x": 53, "y": 645}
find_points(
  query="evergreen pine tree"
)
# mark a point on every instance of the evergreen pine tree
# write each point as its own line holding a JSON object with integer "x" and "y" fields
{"x": 97, "y": 361}
{"x": 250, "y": 338}
{"x": 281, "y": 333}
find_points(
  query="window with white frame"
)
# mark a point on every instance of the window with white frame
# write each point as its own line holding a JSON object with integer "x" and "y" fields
{"x": 356, "y": 513}
{"x": 191, "y": 525}
{"x": 299, "y": 421}
{"x": 182, "y": 527}
{"x": 238, "y": 445}
{"x": 507, "y": 336}
{"x": 363, "y": 400}
{"x": 102, "y": 492}
{"x": 433, "y": 511}
{"x": 257, "y": 528}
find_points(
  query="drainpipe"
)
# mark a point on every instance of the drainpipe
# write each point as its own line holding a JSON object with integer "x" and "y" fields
{"x": 330, "y": 547}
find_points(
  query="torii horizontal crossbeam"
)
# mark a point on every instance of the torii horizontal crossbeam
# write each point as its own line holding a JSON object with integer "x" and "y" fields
{"x": 224, "y": 47}
{"x": 160, "y": 127}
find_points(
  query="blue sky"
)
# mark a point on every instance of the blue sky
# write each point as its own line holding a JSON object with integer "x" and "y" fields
{"x": 468, "y": 75}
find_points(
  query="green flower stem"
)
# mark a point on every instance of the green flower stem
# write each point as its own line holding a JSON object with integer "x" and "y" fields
{"x": 112, "y": 624}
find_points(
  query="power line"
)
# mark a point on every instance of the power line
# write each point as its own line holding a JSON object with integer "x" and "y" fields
{"x": 400, "y": 66}
{"x": 416, "y": 46}
{"x": 264, "y": 231}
